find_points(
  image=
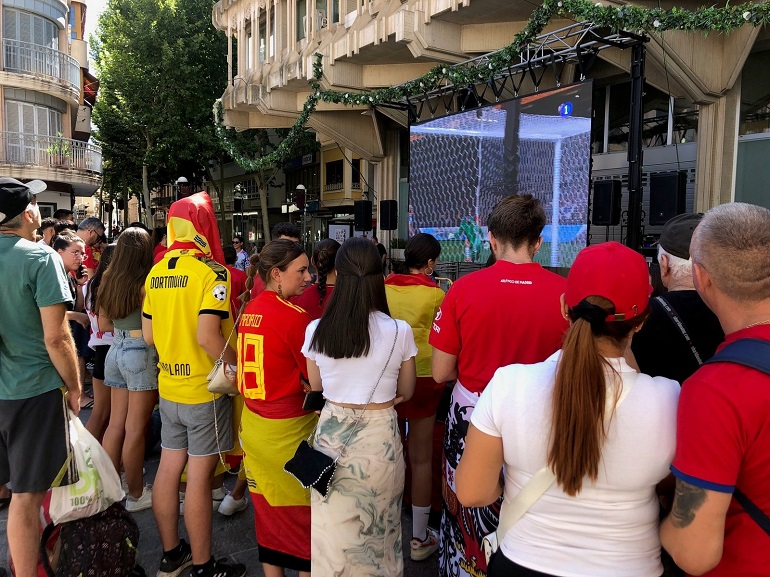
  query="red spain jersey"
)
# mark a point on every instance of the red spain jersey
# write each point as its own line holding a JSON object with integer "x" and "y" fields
{"x": 723, "y": 443}
{"x": 505, "y": 314}
{"x": 270, "y": 360}
{"x": 310, "y": 300}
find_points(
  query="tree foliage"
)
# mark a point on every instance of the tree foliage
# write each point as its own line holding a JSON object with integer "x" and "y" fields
{"x": 161, "y": 65}
{"x": 261, "y": 143}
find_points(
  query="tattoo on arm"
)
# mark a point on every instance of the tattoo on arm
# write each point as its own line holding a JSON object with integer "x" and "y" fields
{"x": 687, "y": 500}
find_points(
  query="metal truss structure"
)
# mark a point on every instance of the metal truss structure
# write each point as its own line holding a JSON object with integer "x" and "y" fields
{"x": 567, "y": 53}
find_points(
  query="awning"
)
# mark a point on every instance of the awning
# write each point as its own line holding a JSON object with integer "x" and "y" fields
{"x": 90, "y": 87}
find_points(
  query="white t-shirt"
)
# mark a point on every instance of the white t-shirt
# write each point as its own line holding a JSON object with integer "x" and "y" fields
{"x": 97, "y": 338}
{"x": 610, "y": 529}
{"x": 352, "y": 380}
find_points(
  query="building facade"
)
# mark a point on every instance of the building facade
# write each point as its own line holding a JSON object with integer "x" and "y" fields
{"x": 46, "y": 96}
{"x": 706, "y": 107}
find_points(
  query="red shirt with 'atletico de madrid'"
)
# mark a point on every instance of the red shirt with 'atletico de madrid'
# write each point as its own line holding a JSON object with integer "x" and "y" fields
{"x": 507, "y": 313}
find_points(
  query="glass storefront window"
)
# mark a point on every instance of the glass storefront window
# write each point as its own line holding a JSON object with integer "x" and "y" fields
{"x": 658, "y": 117}
{"x": 755, "y": 95}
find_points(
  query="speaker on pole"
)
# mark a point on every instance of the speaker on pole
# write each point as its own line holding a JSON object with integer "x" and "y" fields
{"x": 362, "y": 210}
{"x": 388, "y": 215}
{"x": 606, "y": 203}
{"x": 667, "y": 196}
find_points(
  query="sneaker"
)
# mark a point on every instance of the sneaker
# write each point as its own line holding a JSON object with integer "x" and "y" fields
{"x": 219, "y": 568}
{"x": 144, "y": 501}
{"x": 217, "y": 497}
{"x": 172, "y": 565}
{"x": 421, "y": 550}
{"x": 230, "y": 506}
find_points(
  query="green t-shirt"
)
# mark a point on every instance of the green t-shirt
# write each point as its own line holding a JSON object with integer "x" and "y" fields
{"x": 33, "y": 276}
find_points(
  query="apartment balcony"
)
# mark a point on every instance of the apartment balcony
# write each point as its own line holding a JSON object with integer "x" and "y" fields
{"x": 52, "y": 158}
{"x": 49, "y": 70}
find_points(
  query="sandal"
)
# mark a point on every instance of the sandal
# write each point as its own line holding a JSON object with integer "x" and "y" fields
{"x": 88, "y": 405}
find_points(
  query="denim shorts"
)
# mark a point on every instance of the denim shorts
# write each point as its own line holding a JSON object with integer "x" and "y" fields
{"x": 131, "y": 364}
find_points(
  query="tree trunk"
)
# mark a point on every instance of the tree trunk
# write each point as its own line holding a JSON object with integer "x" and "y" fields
{"x": 220, "y": 191}
{"x": 145, "y": 217}
{"x": 262, "y": 186}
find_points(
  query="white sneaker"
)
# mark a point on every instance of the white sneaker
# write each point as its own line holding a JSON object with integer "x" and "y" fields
{"x": 140, "y": 503}
{"x": 230, "y": 506}
{"x": 217, "y": 496}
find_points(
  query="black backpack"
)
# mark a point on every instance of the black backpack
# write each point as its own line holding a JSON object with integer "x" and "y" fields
{"x": 103, "y": 545}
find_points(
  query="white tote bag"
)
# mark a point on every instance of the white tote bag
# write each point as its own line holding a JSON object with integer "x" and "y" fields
{"x": 98, "y": 486}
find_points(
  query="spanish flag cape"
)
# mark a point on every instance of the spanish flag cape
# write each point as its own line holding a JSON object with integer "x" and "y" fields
{"x": 415, "y": 298}
{"x": 192, "y": 227}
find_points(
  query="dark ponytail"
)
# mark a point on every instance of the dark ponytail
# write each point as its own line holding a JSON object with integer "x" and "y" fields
{"x": 421, "y": 248}
{"x": 323, "y": 258}
{"x": 579, "y": 395}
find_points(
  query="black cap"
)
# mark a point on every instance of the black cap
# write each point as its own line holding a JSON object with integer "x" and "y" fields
{"x": 15, "y": 196}
{"x": 677, "y": 234}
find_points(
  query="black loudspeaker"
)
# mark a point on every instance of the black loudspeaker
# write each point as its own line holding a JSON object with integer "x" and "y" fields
{"x": 606, "y": 205}
{"x": 362, "y": 209}
{"x": 121, "y": 204}
{"x": 388, "y": 215}
{"x": 667, "y": 196}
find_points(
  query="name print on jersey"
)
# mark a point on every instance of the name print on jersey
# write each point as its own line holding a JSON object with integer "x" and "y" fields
{"x": 169, "y": 282}
{"x": 251, "y": 320}
{"x": 177, "y": 370}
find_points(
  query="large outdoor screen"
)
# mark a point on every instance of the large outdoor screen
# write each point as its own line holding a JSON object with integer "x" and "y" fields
{"x": 463, "y": 164}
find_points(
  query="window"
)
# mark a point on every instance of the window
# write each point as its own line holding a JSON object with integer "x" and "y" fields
{"x": 271, "y": 46}
{"x": 659, "y": 114}
{"x": 262, "y": 36}
{"x": 27, "y": 27}
{"x": 303, "y": 25}
{"x": 755, "y": 95}
{"x": 249, "y": 48}
{"x": 30, "y": 127}
{"x": 334, "y": 175}
{"x": 356, "y": 185}
{"x": 73, "y": 26}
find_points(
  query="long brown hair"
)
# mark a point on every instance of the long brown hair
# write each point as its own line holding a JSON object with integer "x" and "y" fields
{"x": 121, "y": 291}
{"x": 579, "y": 395}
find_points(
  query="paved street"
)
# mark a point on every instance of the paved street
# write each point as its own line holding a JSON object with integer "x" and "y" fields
{"x": 232, "y": 537}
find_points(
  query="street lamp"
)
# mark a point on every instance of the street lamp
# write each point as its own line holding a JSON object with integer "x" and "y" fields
{"x": 182, "y": 188}
{"x": 238, "y": 206}
{"x": 300, "y": 203}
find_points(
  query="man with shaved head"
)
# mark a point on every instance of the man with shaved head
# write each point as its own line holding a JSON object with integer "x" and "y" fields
{"x": 719, "y": 525}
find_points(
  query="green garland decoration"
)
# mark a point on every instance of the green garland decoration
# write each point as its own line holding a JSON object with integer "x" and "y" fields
{"x": 617, "y": 18}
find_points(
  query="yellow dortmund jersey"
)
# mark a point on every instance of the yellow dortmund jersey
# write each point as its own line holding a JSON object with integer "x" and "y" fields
{"x": 178, "y": 289}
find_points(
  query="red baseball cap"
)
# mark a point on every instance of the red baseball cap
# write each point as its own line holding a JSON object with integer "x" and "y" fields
{"x": 615, "y": 272}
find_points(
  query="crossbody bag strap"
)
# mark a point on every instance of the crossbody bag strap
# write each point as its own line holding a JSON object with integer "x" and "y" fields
{"x": 677, "y": 320}
{"x": 755, "y": 354}
{"x": 232, "y": 332}
{"x": 538, "y": 484}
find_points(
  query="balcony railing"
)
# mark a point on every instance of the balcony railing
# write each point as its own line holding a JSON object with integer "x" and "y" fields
{"x": 28, "y": 58}
{"x": 50, "y": 151}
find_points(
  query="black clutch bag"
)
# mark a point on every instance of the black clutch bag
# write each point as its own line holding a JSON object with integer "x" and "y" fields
{"x": 311, "y": 468}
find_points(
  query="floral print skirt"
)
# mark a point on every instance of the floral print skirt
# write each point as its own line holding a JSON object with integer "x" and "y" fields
{"x": 356, "y": 528}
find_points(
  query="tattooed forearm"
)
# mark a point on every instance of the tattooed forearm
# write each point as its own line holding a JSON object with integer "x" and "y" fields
{"x": 687, "y": 500}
